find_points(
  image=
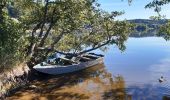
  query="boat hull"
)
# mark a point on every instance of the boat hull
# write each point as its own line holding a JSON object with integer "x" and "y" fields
{"x": 56, "y": 70}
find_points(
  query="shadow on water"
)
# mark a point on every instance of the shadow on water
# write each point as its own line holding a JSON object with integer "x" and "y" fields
{"x": 94, "y": 83}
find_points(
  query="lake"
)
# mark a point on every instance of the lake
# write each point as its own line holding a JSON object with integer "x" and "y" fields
{"x": 130, "y": 75}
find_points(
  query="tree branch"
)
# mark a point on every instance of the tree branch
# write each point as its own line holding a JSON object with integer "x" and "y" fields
{"x": 99, "y": 46}
{"x": 52, "y": 23}
{"x": 74, "y": 54}
{"x": 46, "y": 35}
{"x": 44, "y": 18}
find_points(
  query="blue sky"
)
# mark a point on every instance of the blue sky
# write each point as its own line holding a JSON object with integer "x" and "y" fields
{"x": 135, "y": 11}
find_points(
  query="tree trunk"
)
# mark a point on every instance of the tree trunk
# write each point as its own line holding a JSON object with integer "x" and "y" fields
{"x": 52, "y": 23}
{"x": 33, "y": 43}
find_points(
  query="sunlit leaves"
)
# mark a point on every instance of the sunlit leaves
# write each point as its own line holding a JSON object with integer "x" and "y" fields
{"x": 100, "y": 30}
{"x": 165, "y": 31}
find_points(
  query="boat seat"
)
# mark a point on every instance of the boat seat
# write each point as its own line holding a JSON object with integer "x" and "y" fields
{"x": 91, "y": 56}
{"x": 75, "y": 59}
{"x": 68, "y": 60}
{"x": 86, "y": 58}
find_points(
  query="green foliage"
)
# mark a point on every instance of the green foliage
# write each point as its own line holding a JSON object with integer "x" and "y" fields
{"x": 11, "y": 41}
{"x": 165, "y": 31}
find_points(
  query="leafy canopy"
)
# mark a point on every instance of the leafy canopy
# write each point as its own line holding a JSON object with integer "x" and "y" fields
{"x": 65, "y": 26}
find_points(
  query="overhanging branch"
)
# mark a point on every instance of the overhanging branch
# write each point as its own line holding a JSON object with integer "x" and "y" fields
{"x": 74, "y": 54}
{"x": 99, "y": 46}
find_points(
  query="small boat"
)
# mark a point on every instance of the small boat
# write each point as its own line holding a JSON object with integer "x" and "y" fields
{"x": 67, "y": 64}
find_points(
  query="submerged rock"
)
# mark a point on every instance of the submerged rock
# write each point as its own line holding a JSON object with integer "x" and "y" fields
{"x": 161, "y": 79}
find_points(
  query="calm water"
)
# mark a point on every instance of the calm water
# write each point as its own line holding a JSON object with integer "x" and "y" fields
{"x": 129, "y": 75}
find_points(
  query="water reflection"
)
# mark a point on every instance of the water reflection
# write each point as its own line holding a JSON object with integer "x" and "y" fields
{"x": 162, "y": 66}
{"x": 131, "y": 75}
{"x": 94, "y": 83}
{"x": 143, "y": 62}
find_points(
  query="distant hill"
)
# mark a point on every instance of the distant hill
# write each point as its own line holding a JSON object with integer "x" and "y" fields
{"x": 146, "y": 27}
{"x": 148, "y": 21}
{"x": 151, "y": 24}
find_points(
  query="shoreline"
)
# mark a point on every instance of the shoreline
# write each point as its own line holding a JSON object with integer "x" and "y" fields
{"x": 11, "y": 80}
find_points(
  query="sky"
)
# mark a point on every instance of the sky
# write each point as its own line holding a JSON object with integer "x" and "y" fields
{"x": 134, "y": 11}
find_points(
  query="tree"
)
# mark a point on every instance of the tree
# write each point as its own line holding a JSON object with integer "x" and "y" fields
{"x": 70, "y": 26}
{"x": 63, "y": 26}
